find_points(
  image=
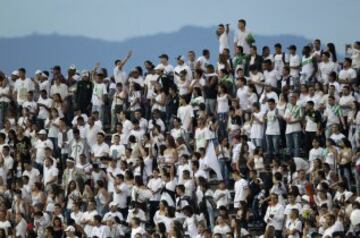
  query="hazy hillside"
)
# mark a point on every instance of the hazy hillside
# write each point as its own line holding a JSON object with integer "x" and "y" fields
{"x": 43, "y": 51}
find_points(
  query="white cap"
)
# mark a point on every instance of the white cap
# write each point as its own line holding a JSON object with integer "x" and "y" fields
{"x": 357, "y": 199}
{"x": 113, "y": 204}
{"x": 38, "y": 72}
{"x": 181, "y": 57}
{"x": 76, "y": 77}
{"x": 160, "y": 67}
{"x": 70, "y": 228}
{"x": 42, "y": 132}
{"x": 347, "y": 195}
{"x": 84, "y": 73}
{"x": 72, "y": 67}
{"x": 15, "y": 72}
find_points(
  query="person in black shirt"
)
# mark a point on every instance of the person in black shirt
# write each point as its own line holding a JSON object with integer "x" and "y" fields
{"x": 23, "y": 145}
{"x": 83, "y": 92}
{"x": 312, "y": 123}
{"x": 255, "y": 189}
{"x": 173, "y": 104}
{"x": 165, "y": 81}
{"x": 210, "y": 90}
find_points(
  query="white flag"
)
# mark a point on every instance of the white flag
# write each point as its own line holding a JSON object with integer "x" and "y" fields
{"x": 211, "y": 160}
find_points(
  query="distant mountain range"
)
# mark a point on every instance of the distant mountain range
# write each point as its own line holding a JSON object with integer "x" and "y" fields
{"x": 44, "y": 51}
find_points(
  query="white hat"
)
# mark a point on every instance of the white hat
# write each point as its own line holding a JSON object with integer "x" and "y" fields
{"x": 84, "y": 73}
{"x": 357, "y": 199}
{"x": 15, "y": 72}
{"x": 38, "y": 72}
{"x": 160, "y": 67}
{"x": 76, "y": 77}
{"x": 181, "y": 57}
{"x": 42, "y": 132}
{"x": 113, "y": 204}
{"x": 72, "y": 67}
{"x": 355, "y": 217}
{"x": 347, "y": 195}
{"x": 70, "y": 228}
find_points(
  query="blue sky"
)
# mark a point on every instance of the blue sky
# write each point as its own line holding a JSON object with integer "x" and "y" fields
{"x": 329, "y": 20}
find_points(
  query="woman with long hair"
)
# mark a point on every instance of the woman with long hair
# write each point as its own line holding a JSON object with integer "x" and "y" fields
{"x": 170, "y": 153}
{"x": 102, "y": 198}
{"x": 58, "y": 228}
{"x": 222, "y": 110}
{"x": 73, "y": 196}
{"x": 353, "y": 121}
{"x": 344, "y": 161}
{"x": 331, "y": 49}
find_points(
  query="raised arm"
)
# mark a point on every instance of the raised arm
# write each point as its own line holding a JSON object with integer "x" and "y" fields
{"x": 125, "y": 60}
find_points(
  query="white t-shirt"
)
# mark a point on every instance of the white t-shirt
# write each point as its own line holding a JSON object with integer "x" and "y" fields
{"x": 325, "y": 69}
{"x": 294, "y": 61}
{"x": 4, "y": 90}
{"x": 43, "y": 112}
{"x": 99, "y": 91}
{"x": 242, "y": 95}
{"x": 91, "y": 133}
{"x": 307, "y": 68}
{"x": 155, "y": 185}
{"x": 185, "y": 113}
{"x": 348, "y": 74}
{"x": 61, "y": 89}
{"x": 222, "y": 104}
{"x": 271, "y": 77}
{"x": 100, "y": 150}
{"x": 257, "y": 129}
{"x": 22, "y": 87}
{"x": 240, "y": 188}
{"x": 149, "y": 81}
{"x": 272, "y": 123}
{"x": 53, "y": 130}
{"x": 279, "y": 62}
{"x": 240, "y": 40}
{"x": 346, "y": 100}
{"x": 294, "y": 225}
{"x": 119, "y": 75}
{"x": 200, "y": 137}
{"x": 33, "y": 174}
{"x": 50, "y": 173}
{"x": 294, "y": 113}
{"x": 40, "y": 149}
{"x": 121, "y": 197}
{"x": 223, "y": 42}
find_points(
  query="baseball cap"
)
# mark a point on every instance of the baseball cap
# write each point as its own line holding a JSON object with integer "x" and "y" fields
{"x": 15, "y": 73}
{"x": 181, "y": 57}
{"x": 164, "y": 56}
{"x": 42, "y": 132}
{"x": 38, "y": 72}
{"x": 85, "y": 73}
{"x": 70, "y": 228}
{"x": 70, "y": 160}
{"x": 72, "y": 67}
{"x": 160, "y": 67}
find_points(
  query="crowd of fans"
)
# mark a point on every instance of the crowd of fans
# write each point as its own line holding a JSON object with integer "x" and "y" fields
{"x": 98, "y": 154}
